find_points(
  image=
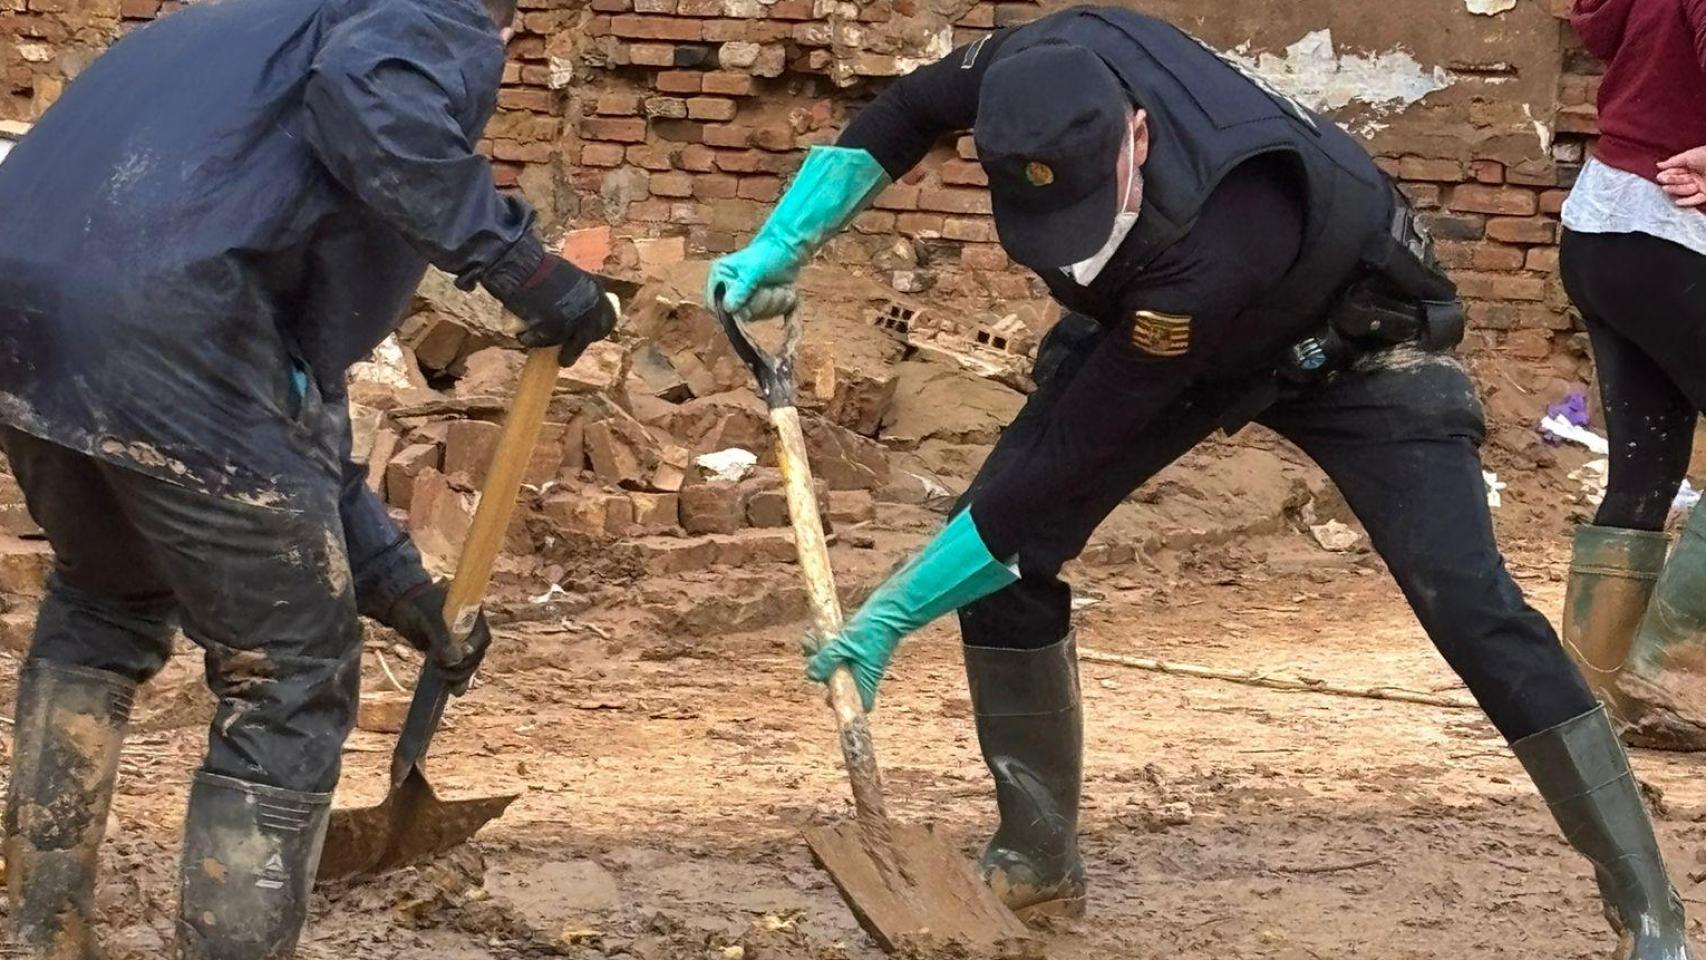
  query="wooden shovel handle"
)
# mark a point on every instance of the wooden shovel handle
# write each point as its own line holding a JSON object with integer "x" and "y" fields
{"x": 521, "y": 429}
{"x": 856, "y": 748}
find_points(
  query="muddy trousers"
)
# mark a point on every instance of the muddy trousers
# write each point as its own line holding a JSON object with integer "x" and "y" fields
{"x": 1400, "y": 438}
{"x": 265, "y": 591}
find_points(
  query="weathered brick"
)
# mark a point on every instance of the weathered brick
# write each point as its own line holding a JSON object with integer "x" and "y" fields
{"x": 642, "y": 27}
{"x": 651, "y": 55}
{"x": 1447, "y": 227}
{"x": 743, "y": 161}
{"x": 898, "y": 196}
{"x": 728, "y": 84}
{"x": 1528, "y": 344}
{"x": 1499, "y": 286}
{"x": 601, "y": 155}
{"x": 978, "y": 17}
{"x": 1423, "y": 196}
{"x": 920, "y": 224}
{"x": 679, "y": 131}
{"x": 538, "y": 101}
{"x": 619, "y": 129}
{"x": 948, "y": 200}
{"x": 529, "y": 48}
{"x": 983, "y": 256}
{"x": 729, "y": 31}
{"x": 1543, "y": 259}
{"x": 976, "y": 231}
{"x": 1552, "y": 201}
{"x": 777, "y": 138}
{"x": 697, "y": 157}
{"x": 139, "y": 9}
{"x": 1422, "y": 168}
{"x": 1487, "y": 171}
{"x": 522, "y": 152}
{"x": 968, "y": 173}
{"x": 1579, "y": 119}
{"x": 610, "y": 6}
{"x": 1482, "y": 198}
{"x": 763, "y": 188}
{"x": 672, "y": 185}
{"x": 874, "y": 221}
{"x": 715, "y": 186}
{"x": 966, "y": 147}
{"x": 1519, "y": 230}
{"x": 617, "y": 103}
{"x": 655, "y": 6}
{"x": 668, "y": 108}
{"x": 728, "y": 135}
{"x": 650, "y": 156}
{"x": 679, "y": 81}
{"x": 1472, "y": 255}
{"x": 711, "y": 108}
{"x": 649, "y": 211}
{"x": 506, "y": 174}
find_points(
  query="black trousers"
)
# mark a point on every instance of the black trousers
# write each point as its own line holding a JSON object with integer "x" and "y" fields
{"x": 264, "y": 590}
{"x": 1400, "y": 437}
{"x": 1644, "y": 301}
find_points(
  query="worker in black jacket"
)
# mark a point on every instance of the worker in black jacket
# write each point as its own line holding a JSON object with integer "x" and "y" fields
{"x": 221, "y": 214}
{"x": 1226, "y": 256}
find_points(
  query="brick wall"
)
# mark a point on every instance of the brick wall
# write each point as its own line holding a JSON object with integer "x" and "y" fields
{"x": 683, "y": 119}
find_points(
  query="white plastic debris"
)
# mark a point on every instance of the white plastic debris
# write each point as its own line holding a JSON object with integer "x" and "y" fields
{"x": 1591, "y": 477}
{"x": 1561, "y": 428}
{"x": 727, "y": 466}
{"x": 1494, "y": 485}
{"x": 1334, "y": 536}
{"x": 1686, "y": 498}
{"x": 553, "y": 592}
{"x": 385, "y": 366}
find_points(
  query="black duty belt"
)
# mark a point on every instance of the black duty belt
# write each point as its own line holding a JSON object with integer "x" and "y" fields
{"x": 1398, "y": 296}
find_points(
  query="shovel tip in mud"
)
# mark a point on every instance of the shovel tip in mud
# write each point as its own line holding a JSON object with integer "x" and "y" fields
{"x": 412, "y": 824}
{"x": 917, "y": 895}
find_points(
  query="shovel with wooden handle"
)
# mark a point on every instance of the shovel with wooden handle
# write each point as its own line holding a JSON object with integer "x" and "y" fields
{"x": 904, "y": 884}
{"x": 413, "y": 822}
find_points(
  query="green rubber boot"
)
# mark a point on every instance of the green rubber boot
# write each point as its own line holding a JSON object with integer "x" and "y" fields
{"x": 71, "y": 723}
{"x": 1612, "y": 575}
{"x": 1662, "y": 687}
{"x": 1030, "y": 725}
{"x": 1583, "y": 773}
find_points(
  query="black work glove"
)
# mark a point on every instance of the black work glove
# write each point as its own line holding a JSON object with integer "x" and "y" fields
{"x": 419, "y": 617}
{"x": 561, "y": 304}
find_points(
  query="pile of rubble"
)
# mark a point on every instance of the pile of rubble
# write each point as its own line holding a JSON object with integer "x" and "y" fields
{"x": 656, "y": 456}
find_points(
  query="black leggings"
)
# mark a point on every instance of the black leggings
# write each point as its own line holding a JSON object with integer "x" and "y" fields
{"x": 1644, "y": 300}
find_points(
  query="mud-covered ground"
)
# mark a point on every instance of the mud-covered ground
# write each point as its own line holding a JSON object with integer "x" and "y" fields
{"x": 665, "y": 781}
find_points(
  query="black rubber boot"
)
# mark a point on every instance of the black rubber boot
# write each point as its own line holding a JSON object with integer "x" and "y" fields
{"x": 70, "y": 725}
{"x": 1583, "y": 773}
{"x": 250, "y": 852}
{"x": 1031, "y": 727}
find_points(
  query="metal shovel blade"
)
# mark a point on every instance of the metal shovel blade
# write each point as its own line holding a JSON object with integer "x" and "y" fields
{"x": 410, "y": 824}
{"x": 917, "y": 894}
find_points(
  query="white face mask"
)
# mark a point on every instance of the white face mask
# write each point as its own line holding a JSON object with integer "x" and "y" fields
{"x": 1084, "y": 272}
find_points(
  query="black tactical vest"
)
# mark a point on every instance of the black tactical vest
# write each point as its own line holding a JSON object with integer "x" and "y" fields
{"x": 1207, "y": 116}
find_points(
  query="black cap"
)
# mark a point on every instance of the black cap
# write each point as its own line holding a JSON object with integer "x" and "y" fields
{"x": 1051, "y": 122}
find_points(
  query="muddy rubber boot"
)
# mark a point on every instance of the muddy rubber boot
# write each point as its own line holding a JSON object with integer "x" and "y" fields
{"x": 1612, "y": 575}
{"x": 1583, "y": 773}
{"x": 1031, "y": 728}
{"x": 250, "y": 852}
{"x": 1662, "y": 688}
{"x": 70, "y": 725}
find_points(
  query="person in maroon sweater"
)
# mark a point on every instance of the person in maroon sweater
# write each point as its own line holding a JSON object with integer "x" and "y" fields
{"x": 1634, "y": 262}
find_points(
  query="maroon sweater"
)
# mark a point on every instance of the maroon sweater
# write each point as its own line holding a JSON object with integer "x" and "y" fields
{"x": 1652, "y": 103}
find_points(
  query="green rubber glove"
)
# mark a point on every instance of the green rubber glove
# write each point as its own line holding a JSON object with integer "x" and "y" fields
{"x": 833, "y": 185}
{"x": 951, "y": 571}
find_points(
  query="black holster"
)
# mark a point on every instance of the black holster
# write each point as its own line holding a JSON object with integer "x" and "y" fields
{"x": 1399, "y": 295}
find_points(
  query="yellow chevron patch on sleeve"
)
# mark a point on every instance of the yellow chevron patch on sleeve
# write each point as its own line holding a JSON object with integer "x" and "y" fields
{"x": 1161, "y": 334}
